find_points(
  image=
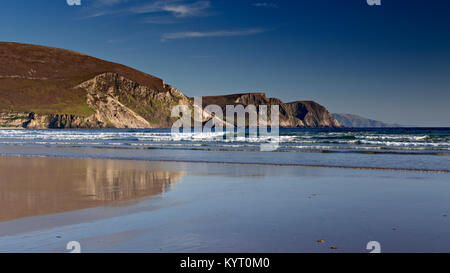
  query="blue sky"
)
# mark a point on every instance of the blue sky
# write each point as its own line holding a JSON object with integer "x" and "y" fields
{"x": 388, "y": 62}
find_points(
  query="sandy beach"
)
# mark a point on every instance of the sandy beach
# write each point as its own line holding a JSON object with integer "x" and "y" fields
{"x": 159, "y": 207}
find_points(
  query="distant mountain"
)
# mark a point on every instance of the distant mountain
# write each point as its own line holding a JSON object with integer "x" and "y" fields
{"x": 45, "y": 87}
{"x": 355, "y": 121}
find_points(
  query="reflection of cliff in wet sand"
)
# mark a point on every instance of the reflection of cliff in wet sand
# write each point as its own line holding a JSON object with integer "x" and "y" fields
{"x": 111, "y": 180}
{"x": 37, "y": 186}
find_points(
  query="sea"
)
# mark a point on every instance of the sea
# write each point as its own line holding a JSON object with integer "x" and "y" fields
{"x": 401, "y": 149}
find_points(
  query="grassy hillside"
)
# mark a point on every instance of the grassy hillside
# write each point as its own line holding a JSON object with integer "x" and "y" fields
{"x": 42, "y": 79}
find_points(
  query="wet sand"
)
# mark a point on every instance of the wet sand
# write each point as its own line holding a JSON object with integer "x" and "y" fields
{"x": 32, "y": 186}
{"x": 139, "y": 206}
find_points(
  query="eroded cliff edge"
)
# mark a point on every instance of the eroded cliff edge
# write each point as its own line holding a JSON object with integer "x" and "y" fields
{"x": 298, "y": 114}
{"x": 116, "y": 102}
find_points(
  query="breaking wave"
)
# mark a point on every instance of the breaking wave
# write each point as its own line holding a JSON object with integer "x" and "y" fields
{"x": 401, "y": 140}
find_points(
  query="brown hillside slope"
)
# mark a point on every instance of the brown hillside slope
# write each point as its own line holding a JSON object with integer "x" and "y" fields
{"x": 49, "y": 87}
{"x": 41, "y": 79}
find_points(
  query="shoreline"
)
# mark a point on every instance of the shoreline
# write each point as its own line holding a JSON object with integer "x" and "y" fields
{"x": 240, "y": 163}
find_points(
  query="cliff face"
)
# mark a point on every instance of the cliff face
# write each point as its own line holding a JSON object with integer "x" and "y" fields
{"x": 116, "y": 103}
{"x": 292, "y": 115}
{"x": 122, "y": 103}
{"x": 312, "y": 114}
{"x": 44, "y": 87}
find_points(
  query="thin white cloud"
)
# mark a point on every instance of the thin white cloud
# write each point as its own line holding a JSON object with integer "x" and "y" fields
{"x": 158, "y": 8}
{"x": 160, "y": 20}
{"x": 109, "y": 2}
{"x": 93, "y": 15}
{"x": 265, "y": 5}
{"x": 175, "y": 7}
{"x": 220, "y": 33}
{"x": 99, "y": 8}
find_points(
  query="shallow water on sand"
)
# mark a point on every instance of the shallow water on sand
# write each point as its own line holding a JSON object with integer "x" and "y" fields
{"x": 197, "y": 207}
{"x": 33, "y": 186}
